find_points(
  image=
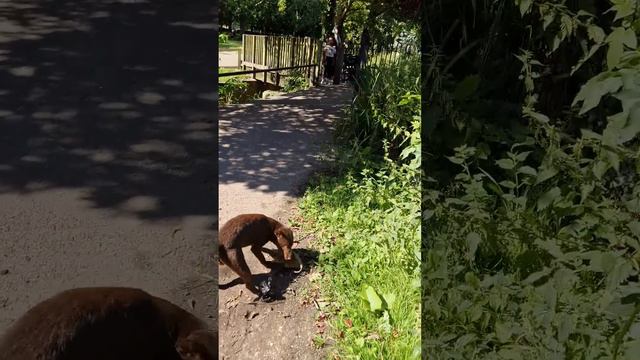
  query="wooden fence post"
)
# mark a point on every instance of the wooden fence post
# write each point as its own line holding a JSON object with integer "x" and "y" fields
{"x": 253, "y": 55}
{"x": 278, "y": 51}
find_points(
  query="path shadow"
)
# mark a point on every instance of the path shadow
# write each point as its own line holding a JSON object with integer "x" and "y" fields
{"x": 271, "y": 145}
{"x": 116, "y": 98}
{"x": 277, "y": 281}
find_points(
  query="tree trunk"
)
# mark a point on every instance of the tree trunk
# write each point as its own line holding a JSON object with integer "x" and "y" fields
{"x": 330, "y": 20}
{"x": 365, "y": 41}
{"x": 339, "y": 56}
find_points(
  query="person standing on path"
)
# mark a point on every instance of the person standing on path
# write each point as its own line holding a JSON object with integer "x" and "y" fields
{"x": 328, "y": 60}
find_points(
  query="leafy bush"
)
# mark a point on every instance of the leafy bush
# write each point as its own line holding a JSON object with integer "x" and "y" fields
{"x": 532, "y": 204}
{"x": 223, "y": 38}
{"x": 295, "y": 82}
{"x": 384, "y": 107}
{"x": 232, "y": 91}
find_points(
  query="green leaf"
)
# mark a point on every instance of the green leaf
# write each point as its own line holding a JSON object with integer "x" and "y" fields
{"x": 471, "y": 279}
{"x": 592, "y": 92}
{"x": 548, "y": 19}
{"x": 601, "y": 261}
{"x": 600, "y": 168}
{"x": 634, "y": 331}
{"x": 375, "y": 303}
{"x": 523, "y": 156}
{"x": 541, "y": 118}
{"x": 634, "y": 226}
{"x": 630, "y": 39}
{"x": 631, "y": 349}
{"x": 510, "y": 354}
{"x": 588, "y": 134}
{"x": 473, "y": 240}
{"x": 585, "y": 191}
{"x": 508, "y": 184}
{"x": 545, "y": 173}
{"x": 464, "y": 340}
{"x": 616, "y": 47}
{"x": 389, "y": 298}
{"x": 548, "y": 198}
{"x": 525, "y": 6}
{"x": 550, "y": 294}
{"x": 527, "y": 170}
{"x": 629, "y": 98}
{"x": 596, "y": 33}
{"x": 455, "y": 160}
{"x": 623, "y": 8}
{"x": 566, "y": 327}
{"x": 506, "y": 164}
{"x": 537, "y": 275}
{"x": 503, "y": 332}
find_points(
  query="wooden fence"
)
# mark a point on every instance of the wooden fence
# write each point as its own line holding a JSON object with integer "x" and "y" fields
{"x": 277, "y": 53}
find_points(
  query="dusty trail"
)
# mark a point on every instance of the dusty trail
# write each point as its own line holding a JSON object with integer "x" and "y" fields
{"x": 107, "y": 173}
{"x": 267, "y": 150}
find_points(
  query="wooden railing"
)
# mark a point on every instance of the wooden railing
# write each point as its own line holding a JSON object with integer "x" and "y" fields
{"x": 270, "y": 55}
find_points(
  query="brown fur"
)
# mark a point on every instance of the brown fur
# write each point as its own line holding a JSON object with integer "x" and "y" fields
{"x": 253, "y": 230}
{"x": 108, "y": 324}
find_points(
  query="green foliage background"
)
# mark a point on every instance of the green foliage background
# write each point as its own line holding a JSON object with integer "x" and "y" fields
{"x": 532, "y": 198}
{"x": 281, "y": 17}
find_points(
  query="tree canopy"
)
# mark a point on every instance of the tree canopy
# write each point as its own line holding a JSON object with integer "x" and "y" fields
{"x": 387, "y": 19}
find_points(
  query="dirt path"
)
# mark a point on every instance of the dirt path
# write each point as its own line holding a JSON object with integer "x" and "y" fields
{"x": 107, "y": 172}
{"x": 267, "y": 151}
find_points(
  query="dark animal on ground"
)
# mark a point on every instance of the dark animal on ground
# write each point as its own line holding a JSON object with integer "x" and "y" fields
{"x": 253, "y": 230}
{"x": 108, "y": 323}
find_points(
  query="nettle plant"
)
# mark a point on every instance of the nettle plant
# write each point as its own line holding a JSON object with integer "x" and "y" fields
{"x": 539, "y": 257}
{"x": 550, "y": 265}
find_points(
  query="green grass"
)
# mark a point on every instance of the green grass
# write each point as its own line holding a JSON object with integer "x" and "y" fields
{"x": 231, "y": 44}
{"x": 367, "y": 225}
{"x": 365, "y": 215}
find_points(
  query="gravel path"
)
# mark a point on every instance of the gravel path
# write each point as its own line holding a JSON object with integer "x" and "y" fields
{"x": 267, "y": 151}
{"x": 107, "y": 143}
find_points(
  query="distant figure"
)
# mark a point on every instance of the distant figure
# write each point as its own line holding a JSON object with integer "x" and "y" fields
{"x": 328, "y": 60}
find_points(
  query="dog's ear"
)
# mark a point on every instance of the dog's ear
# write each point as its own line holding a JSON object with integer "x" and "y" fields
{"x": 285, "y": 233}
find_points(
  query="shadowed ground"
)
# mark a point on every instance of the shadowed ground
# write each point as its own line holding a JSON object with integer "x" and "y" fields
{"x": 107, "y": 150}
{"x": 267, "y": 151}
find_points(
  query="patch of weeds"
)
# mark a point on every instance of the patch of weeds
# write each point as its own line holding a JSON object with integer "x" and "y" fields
{"x": 295, "y": 81}
{"x": 370, "y": 222}
{"x": 233, "y": 91}
{"x": 319, "y": 341}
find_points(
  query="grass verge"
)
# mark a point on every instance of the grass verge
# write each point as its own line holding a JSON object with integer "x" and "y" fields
{"x": 366, "y": 218}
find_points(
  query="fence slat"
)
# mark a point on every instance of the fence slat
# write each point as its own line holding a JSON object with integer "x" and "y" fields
{"x": 262, "y": 52}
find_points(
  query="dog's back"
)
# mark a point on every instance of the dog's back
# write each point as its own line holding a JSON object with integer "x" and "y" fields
{"x": 100, "y": 324}
{"x": 246, "y": 229}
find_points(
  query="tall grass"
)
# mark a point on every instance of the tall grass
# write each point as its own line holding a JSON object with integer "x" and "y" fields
{"x": 385, "y": 106}
{"x": 366, "y": 218}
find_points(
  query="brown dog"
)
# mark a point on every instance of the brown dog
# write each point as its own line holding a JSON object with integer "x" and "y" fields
{"x": 253, "y": 230}
{"x": 108, "y": 324}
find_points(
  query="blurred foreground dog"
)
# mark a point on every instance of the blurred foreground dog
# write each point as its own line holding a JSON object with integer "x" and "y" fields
{"x": 108, "y": 323}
